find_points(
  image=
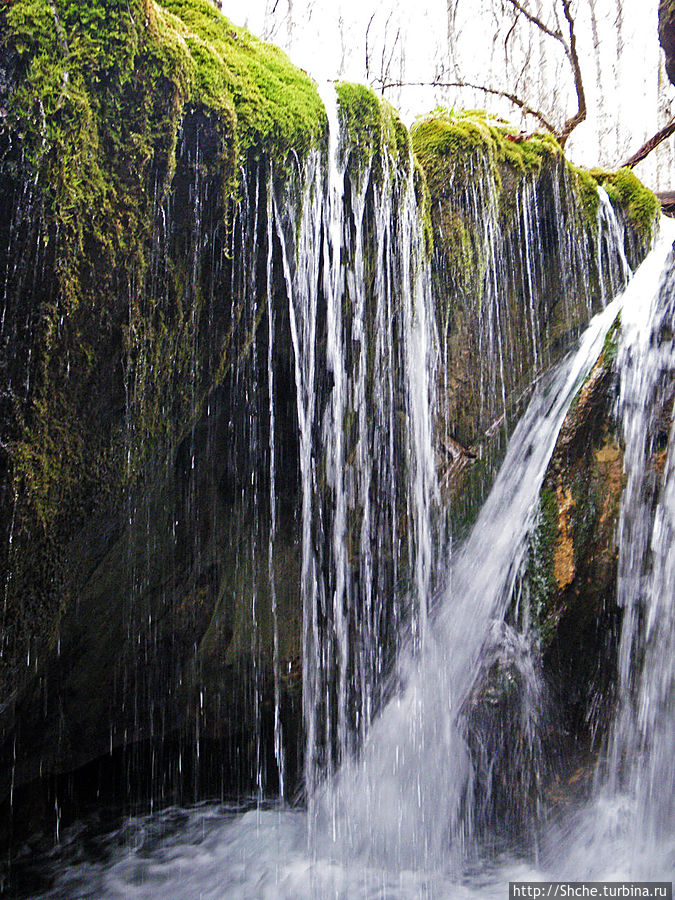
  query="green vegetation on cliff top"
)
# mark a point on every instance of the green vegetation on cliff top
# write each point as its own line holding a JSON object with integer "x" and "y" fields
{"x": 73, "y": 52}
{"x": 277, "y": 106}
{"x": 640, "y": 206}
{"x": 373, "y": 125}
{"x": 446, "y": 137}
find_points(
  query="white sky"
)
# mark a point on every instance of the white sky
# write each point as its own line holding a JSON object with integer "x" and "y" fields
{"x": 327, "y": 38}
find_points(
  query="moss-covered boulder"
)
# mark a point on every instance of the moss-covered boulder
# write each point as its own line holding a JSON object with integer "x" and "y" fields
{"x": 637, "y": 208}
{"x": 134, "y": 139}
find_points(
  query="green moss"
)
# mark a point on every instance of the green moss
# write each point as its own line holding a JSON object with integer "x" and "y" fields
{"x": 370, "y": 127}
{"x": 638, "y": 204}
{"x": 277, "y": 106}
{"x": 423, "y": 204}
{"x": 360, "y": 114}
{"x": 587, "y": 191}
{"x": 80, "y": 64}
{"x": 463, "y": 254}
{"x": 610, "y": 348}
{"x": 446, "y": 136}
{"x": 100, "y": 93}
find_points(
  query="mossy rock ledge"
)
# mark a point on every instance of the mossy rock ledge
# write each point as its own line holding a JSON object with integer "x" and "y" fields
{"x": 519, "y": 267}
{"x": 571, "y": 576}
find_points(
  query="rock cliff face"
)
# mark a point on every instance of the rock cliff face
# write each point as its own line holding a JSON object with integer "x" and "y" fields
{"x": 667, "y": 35}
{"x": 568, "y": 597}
{"x": 573, "y": 557}
{"x": 154, "y": 157}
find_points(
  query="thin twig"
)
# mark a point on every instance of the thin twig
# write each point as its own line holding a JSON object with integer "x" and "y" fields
{"x": 528, "y": 110}
{"x": 556, "y": 35}
{"x": 573, "y": 57}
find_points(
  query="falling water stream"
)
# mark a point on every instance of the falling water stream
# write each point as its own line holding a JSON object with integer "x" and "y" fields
{"x": 389, "y": 774}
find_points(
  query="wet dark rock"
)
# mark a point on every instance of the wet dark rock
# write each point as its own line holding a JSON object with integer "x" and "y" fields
{"x": 667, "y": 35}
{"x": 571, "y": 580}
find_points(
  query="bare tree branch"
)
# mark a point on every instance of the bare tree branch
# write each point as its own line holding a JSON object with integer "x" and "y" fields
{"x": 651, "y": 144}
{"x": 370, "y": 22}
{"x": 385, "y": 70}
{"x": 508, "y": 36}
{"x": 563, "y": 33}
{"x": 537, "y": 21}
{"x": 667, "y": 199}
{"x": 524, "y": 107}
{"x": 573, "y": 57}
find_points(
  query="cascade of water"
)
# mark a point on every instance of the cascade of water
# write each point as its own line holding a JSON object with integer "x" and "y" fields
{"x": 301, "y": 274}
{"x": 279, "y": 754}
{"x": 406, "y": 802}
{"x": 527, "y": 283}
{"x": 408, "y": 795}
{"x": 642, "y": 745}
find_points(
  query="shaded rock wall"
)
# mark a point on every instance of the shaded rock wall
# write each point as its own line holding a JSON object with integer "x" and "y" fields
{"x": 570, "y": 587}
{"x": 126, "y": 349}
{"x": 573, "y": 560}
{"x": 154, "y": 616}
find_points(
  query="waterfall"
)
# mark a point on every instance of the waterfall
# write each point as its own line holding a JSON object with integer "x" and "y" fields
{"x": 316, "y": 450}
{"x": 517, "y": 275}
{"x": 408, "y": 797}
{"x": 645, "y": 579}
{"x": 396, "y": 819}
{"x": 630, "y": 828}
{"x": 642, "y": 750}
{"x": 365, "y": 411}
